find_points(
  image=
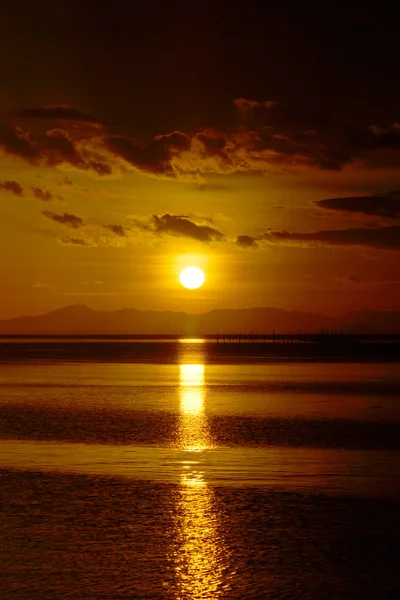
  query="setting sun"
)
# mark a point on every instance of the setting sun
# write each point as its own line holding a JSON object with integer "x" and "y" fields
{"x": 192, "y": 278}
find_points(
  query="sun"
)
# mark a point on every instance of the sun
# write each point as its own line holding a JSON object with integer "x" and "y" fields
{"x": 192, "y": 278}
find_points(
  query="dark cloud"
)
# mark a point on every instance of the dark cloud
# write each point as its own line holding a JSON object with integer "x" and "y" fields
{"x": 176, "y": 225}
{"x": 45, "y": 195}
{"x": 384, "y": 238}
{"x": 303, "y": 147}
{"x": 214, "y": 151}
{"x": 246, "y": 241}
{"x": 16, "y": 188}
{"x": 387, "y": 206}
{"x": 214, "y": 141}
{"x": 195, "y": 217}
{"x": 53, "y": 148}
{"x": 374, "y": 137}
{"x": 151, "y": 157}
{"x": 17, "y": 143}
{"x": 73, "y": 241}
{"x": 58, "y": 147}
{"x": 247, "y": 107}
{"x": 280, "y": 116}
{"x": 288, "y": 137}
{"x": 280, "y": 138}
{"x": 118, "y": 230}
{"x": 13, "y": 187}
{"x": 175, "y": 140}
{"x": 60, "y": 112}
{"x": 65, "y": 219}
{"x": 387, "y": 138}
{"x": 100, "y": 168}
{"x": 294, "y": 133}
{"x": 284, "y": 145}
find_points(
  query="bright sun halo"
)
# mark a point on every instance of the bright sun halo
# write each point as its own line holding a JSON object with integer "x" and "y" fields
{"x": 191, "y": 278}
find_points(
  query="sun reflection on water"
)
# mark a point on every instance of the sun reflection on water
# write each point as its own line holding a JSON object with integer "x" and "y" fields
{"x": 200, "y": 557}
{"x": 192, "y": 393}
{"x": 193, "y": 434}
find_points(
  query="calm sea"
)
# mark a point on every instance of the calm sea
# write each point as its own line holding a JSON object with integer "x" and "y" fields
{"x": 157, "y": 474}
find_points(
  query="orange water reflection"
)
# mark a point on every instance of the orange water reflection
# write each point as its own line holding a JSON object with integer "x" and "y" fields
{"x": 200, "y": 558}
{"x": 193, "y": 429}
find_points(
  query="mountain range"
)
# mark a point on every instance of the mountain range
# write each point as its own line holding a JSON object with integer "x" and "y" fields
{"x": 80, "y": 319}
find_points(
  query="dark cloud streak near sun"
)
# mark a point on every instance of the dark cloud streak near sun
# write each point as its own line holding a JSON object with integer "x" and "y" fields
{"x": 387, "y": 206}
{"x": 382, "y": 238}
{"x": 176, "y": 225}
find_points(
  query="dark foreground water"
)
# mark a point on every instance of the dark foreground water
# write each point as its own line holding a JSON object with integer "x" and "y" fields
{"x": 193, "y": 480}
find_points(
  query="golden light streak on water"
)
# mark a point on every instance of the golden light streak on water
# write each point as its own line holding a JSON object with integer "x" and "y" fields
{"x": 192, "y": 393}
{"x": 200, "y": 557}
{"x": 193, "y": 434}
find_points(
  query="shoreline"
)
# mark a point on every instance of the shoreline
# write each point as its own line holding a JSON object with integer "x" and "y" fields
{"x": 178, "y": 351}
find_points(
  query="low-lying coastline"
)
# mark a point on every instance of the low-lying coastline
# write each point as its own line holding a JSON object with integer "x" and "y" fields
{"x": 170, "y": 350}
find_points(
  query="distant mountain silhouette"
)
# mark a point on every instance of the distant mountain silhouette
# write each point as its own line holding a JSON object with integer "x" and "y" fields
{"x": 79, "y": 319}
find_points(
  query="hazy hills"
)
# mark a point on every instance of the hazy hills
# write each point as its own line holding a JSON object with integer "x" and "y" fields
{"x": 83, "y": 320}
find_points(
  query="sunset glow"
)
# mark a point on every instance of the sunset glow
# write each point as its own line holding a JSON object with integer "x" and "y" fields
{"x": 279, "y": 181}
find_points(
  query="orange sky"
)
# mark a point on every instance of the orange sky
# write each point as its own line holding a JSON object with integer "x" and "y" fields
{"x": 102, "y": 204}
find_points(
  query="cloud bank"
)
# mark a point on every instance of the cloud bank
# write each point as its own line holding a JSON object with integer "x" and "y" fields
{"x": 265, "y": 139}
{"x": 382, "y": 238}
{"x": 382, "y": 206}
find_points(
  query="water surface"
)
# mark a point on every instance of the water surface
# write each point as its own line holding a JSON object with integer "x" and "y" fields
{"x": 195, "y": 480}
